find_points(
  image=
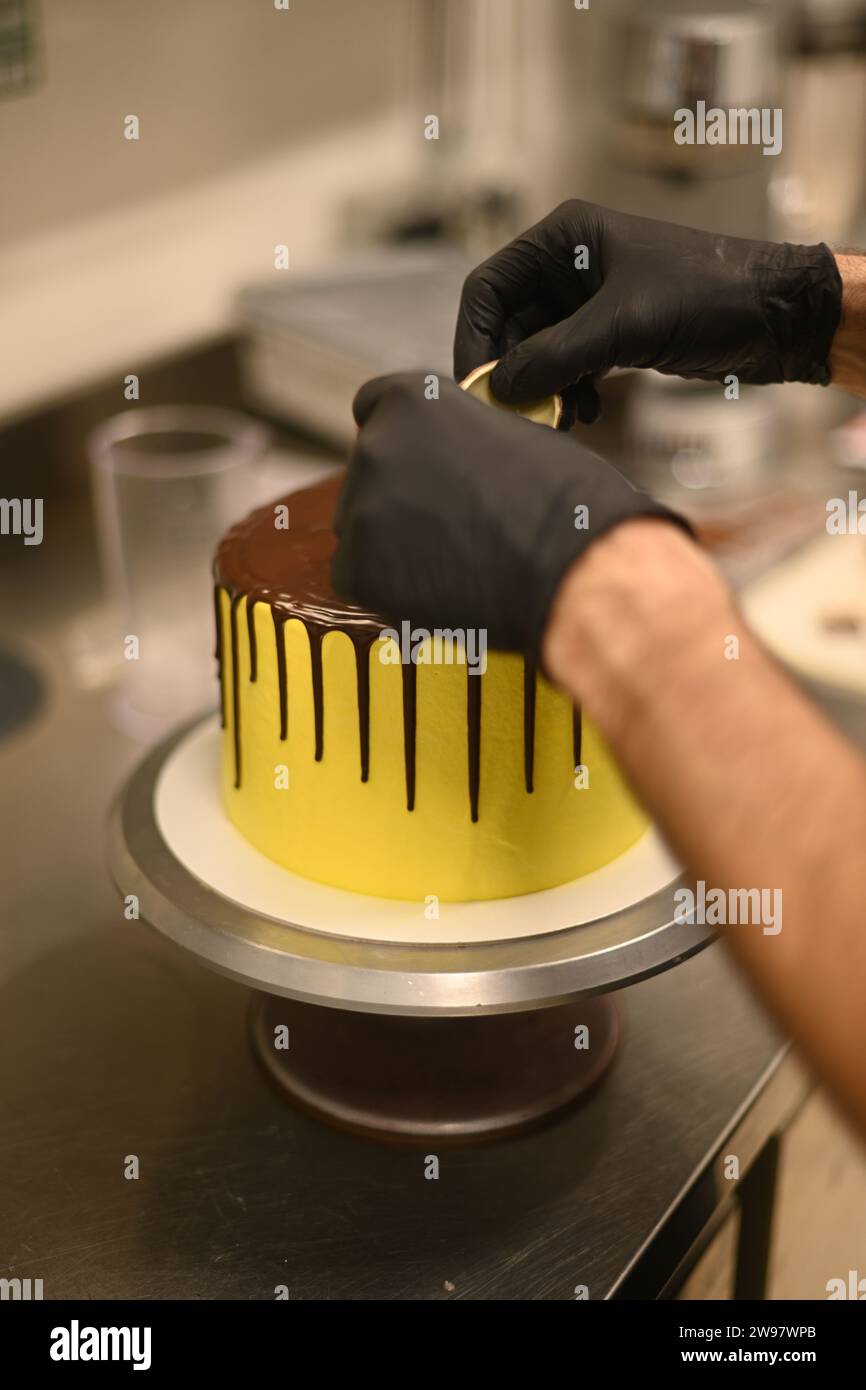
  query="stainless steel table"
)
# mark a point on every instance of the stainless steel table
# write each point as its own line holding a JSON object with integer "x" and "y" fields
{"x": 112, "y": 1043}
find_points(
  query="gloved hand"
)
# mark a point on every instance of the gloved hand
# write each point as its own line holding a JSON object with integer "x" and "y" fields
{"x": 458, "y": 516}
{"x": 689, "y": 303}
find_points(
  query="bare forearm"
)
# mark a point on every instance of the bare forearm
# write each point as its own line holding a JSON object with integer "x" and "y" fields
{"x": 848, "y": 353}
{"x": 752, "y": 787}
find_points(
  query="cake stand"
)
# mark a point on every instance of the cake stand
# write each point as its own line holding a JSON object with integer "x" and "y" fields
{"x": 482, "y": 1022}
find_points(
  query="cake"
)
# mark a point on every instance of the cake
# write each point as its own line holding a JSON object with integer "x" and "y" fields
{"x": 417, "y": 779}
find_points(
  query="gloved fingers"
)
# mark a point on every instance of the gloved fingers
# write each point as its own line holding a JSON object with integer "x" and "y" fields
{"x": 581, "y": 404}
{"x": 476, "y": 341}
{"x": 588, "y": 401}
{"x": 502, "y": 286}
{"x": 368, "y": 396}
{"x": 511, "y": 333}
{"x": 410, "y": 386}
{"x": 583, "y": 345}
{"x": 348, "y": 491}
{"x": 526, "y": 324}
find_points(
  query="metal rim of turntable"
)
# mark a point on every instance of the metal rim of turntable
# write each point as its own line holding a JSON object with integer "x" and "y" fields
{"x": 342, "y": 972}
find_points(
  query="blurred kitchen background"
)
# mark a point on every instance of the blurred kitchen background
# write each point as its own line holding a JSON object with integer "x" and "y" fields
{"x": 140, "y": 273}
{"x": 306, "y": 129}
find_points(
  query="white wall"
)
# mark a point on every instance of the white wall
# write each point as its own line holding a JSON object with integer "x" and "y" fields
{"x": 258, "y": 127}
{"x": 214, "y": 82}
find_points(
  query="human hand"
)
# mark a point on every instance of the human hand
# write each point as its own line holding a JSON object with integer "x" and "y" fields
{"x": 455, "y": 515}
{"x": 652, "y": 294}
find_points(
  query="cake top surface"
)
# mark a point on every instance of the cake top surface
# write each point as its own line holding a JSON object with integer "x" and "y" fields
{"x": 289, "y": 567}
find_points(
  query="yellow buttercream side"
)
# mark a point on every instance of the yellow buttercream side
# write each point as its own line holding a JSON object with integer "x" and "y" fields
{"x": 320, "y": 820}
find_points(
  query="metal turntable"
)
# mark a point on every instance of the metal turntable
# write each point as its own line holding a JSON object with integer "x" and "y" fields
{"x": 484, "y": 1022}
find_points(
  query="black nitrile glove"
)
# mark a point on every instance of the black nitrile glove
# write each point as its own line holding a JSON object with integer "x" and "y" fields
{"x": 454, "y": 515}
{"x": 689, "y": 303}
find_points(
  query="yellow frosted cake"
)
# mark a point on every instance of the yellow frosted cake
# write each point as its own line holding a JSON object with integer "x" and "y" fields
{"x": 404, "y": 778}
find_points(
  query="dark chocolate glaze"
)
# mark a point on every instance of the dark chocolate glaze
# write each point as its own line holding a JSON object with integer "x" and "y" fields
{"x": 218, "y": 650}
{"x": 316, "y": 635}
{"x": 473, "y": 724}
{"x": 289, "y": 569}
{"x": 279, "y": 633}
{"x": 529, "y": 678}
{"x": 251, "y": 634}
{"x": 410, "y": 726}
{"x": 236, "y": 694}
{"x": 362, "y": 666}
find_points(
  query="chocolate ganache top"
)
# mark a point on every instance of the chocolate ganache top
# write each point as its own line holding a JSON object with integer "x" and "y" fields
{"x": 290, "y": 567}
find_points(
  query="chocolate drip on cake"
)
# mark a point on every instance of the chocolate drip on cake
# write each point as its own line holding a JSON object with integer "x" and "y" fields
{"x": 251, "y": 634}
{"x": 280, "y": 635}
{"x": 473, "y": 724}
{"x": 362, "y": 647}
{"x": 218, "y": 649}
{"x": 290, "y": 571}
{"x": 236, "y": 699}
{"x": 529, "y": 670}
{"x": 410, "y": 726}
{"x": 315, "y": 636}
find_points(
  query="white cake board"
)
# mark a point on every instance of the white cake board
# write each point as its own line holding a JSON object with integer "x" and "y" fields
{"x": 199, "y": 883}
{"x": 194, "y": 824}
